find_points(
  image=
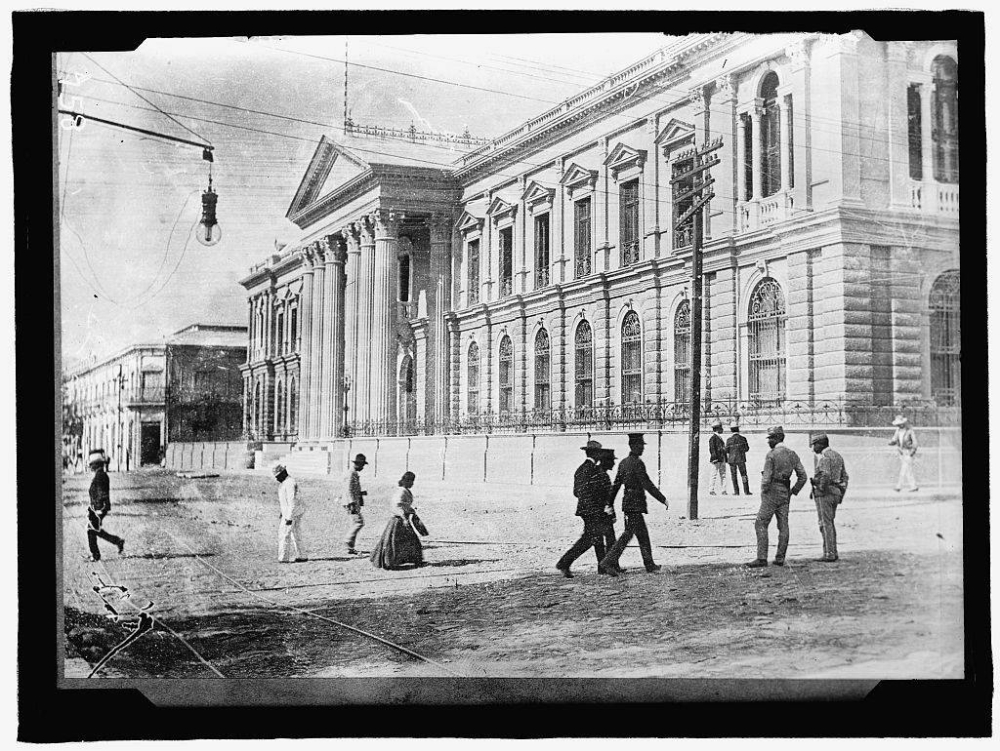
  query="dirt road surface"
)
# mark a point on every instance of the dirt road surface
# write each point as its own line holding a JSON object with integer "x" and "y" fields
{"x": 489, "y": 602}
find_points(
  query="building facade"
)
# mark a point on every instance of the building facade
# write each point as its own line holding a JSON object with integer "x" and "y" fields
{"x": 133, "y": 403}
{"x": 543, "y": 279}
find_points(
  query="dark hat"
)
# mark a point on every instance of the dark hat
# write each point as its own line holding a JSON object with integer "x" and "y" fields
{"x": 819, "y": 437}
{"x": 97, "y": 456}
{"x": 776, "y": 430}
{"x": 592, "y": 446}
{"x": 278, "y": 469}
{"x": 636, "y": 438}
{"x": 360, "y": 459}
{"x": 608, "y": 454}
{"x": 734, "y": 426}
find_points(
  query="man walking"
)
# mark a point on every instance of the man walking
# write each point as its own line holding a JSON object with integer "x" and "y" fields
{"x": 591, "y": 486}
{"x": 289, "y": 526}
{"x": 717, "y": 456}
{"x": 736, "y": 455}
{"x": 775, "y": 487}
{"x": 100, "y": 505}
{"x": 829, "y": 485}
{"x": 353, "y": 500}
{"x": 632, "y": 474}
{"x": 905, "y": 441}
{"x": 607, "y": 463}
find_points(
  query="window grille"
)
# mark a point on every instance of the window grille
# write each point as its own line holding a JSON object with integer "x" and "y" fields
{"x": 541, "y": 251}
{"x": 584, "y": 366}
{"x": 945, "y": 133}
{"x": 770, "y": 137}
{"x": 682, "y": 352}
{"x": 581, "y": 237}
{"x": 629, "y": 218}
{"x": 766, "y": 330}
{"x": 473, "y": 385}
{"x": 683, "y": 234}
{"x": 631, "y": 359}
{"x": 473, "y": 272}
{"x": 506, "y": 375}
{"x": 506, "y": 262}
{"x": 543, "y": 368}
{"x": 946, "y": 339}
{"x": 913, "y": 132}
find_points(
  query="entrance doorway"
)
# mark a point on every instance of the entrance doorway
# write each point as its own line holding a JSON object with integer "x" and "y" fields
{"x": 150, "y": 445}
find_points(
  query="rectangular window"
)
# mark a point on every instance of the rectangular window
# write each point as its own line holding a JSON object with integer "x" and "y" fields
{"x": 404, "y": 279}
{"x": 293, "y": 330}
{"x": 770, "y": 147}
{"x": 791, "y": 141}
{"x": 506, "y": 262}
{"x": 747, "y": 157}
{"x": 281, "y": 333}
{"x": 473, "y": 271}
{"x": 541, "y": 251}
{"x": 629, "y": 222}
{"x": 913, "y": 133}
{"x": 581, "y": 238}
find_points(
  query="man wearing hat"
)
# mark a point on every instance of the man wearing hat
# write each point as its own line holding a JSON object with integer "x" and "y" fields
{"x": 829, "y": 485}
{"x": 717, "y": 456}
{"x": 353, "y": 499}
{"x": 736, "y": 455}
{"x": 775, "y": 494}
{"x": 591, "y": 487}
{"x": 905, "y": 441}
{"x": 632, "y": 474}
{"x": 292, "y": 509}
{"x": 100, "y": 505}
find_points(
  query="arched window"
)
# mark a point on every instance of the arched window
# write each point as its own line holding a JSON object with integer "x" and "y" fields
{"x": 543, "y": 368}
{"x": 473, "y": 386}
{"x": 770, "y": 137}
{"x": 766, "y": 331}
{"x": 584, "y": 366}
{"x": 946, "y": 339}
{"x": 293, "y": 408}
{"x": 945, "y": 131}
{"x": 682, "y": 352}
{"x": 631, "y": 359}
{"x": 279, "y": 408}
{"x": 506, "y": 375}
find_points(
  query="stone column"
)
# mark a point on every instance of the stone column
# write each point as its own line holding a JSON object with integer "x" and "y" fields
{"x": 755, "y": 117}
{"x": 317, "y": 342}
{"x": 783, "y": 130}
{"x": 436, "y": 351}
{"x": 455, "y": 347}
{"x": 928, "y": 195}
{"x": 306, "y": 356}
{"x": 600, "y": 211}
{"x": 741, "y": 159}
{"x": 352, "y": 263}
{"x": 332, "y": 419}
{"x": 362, "y": 383}
{"x": 382, "y": 361}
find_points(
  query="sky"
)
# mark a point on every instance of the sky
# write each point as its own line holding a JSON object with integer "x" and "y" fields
{"x": 129, "y": 268}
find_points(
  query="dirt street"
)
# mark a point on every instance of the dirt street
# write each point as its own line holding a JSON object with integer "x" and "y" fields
{"x": 489, "y": 602}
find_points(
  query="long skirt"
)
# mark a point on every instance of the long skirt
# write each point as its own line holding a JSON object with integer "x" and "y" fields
{"x": 399, "y": 545}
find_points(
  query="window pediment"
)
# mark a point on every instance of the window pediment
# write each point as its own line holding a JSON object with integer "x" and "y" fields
{"x": 469, "y": 222}
{"x": 501, "y": 209}
{"x": 674, "y": 136}
{"x": 537, "y": 196}
{"x": 577, "y": 178}
{"x": 623, "y": 158}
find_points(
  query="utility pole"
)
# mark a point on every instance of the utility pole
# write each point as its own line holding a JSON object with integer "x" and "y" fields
{"x": 118, "y": 452}
{"x": 695, "y": 183}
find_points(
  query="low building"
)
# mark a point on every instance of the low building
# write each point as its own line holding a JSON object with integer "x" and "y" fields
{"x": 187, "y": 388}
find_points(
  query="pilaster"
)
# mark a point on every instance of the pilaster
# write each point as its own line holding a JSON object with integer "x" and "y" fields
{"x": 351, "y": 348}
{"x": 798, "y": 54}
{"x": 333, "y": 376}
{"x": 435, "y": 354}
{"x": 362, "y": 383}
{"x": 382, "y": 364}
{"x": 906, "y": 319}
{"x": 896, "y": 96}
{"x": 318, "y": 340}
{"x": 799, "y": 326}
{"x": 725, "y": 121}
{"x": 723, "y": 336}
{"x": 306, "y": 357}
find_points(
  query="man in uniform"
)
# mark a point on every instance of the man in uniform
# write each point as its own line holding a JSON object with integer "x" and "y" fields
{"x": 591, "y": 486}
{"x": 100, "y": 505}
{"x": 736, "y": 454}
{"x": 292, "y": 509}
{"x": 353, "y": 499}
{"x": 829, "y": 486}
{"x": 632, "y": 474}
{"x": 775, "y": 487}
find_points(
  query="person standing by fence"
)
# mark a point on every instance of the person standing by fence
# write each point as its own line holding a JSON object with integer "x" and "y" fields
{"x": 717, "y": 456}
{"x": 905, "y": 441}
{"x": 736, "y": 455}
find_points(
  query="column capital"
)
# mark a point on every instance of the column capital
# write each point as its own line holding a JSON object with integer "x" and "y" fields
{"x": 308, "y": 257}
{"x": 335, "y": 250}
{"x": 387, "y": 223}
{"x": 726, "y": 87}
{"x": 699, "y": 98}
{"x": 319, "y": 251}
{"x": 756, "y": 108}
{"x": 365, "y": 230}
{"x": 798, "y": 53}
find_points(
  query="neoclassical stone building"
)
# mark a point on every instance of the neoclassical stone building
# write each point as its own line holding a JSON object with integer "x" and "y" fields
{"x": 541, "y": 278}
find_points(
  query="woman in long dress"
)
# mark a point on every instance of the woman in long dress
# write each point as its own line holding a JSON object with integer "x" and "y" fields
{"x": 399, "y": 543}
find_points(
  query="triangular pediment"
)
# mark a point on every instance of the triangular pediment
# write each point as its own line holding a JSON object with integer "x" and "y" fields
{"x": 331, "y": 166}
{"x": 500, "y": 206}
{"x": 576, "y": 176}
{"x": 537, "y": 193}
{"x": 675, "y": 135}
{"x": 469, "y": 221}
{"x": 623, "y": 156}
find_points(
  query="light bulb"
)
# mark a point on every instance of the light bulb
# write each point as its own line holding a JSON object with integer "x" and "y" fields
{"x": 208, "y": 232}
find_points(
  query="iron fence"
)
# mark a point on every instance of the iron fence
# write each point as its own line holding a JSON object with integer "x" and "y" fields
{"x": 672, "y": 415}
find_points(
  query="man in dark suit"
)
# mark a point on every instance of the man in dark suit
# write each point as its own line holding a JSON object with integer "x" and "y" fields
{"x": 632, "y": 474}
{"x": 100, "y": 505}
{"x": 736, "y": 455}
{"x": 717, "y": 456}
{"x": 591, "y": 486}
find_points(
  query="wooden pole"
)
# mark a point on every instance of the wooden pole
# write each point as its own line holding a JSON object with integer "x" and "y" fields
{"x": 694, "y": 436}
